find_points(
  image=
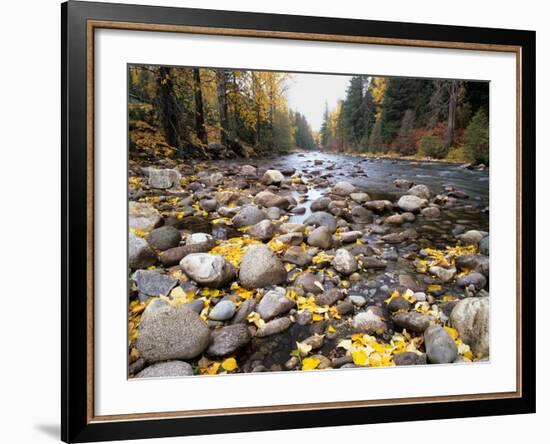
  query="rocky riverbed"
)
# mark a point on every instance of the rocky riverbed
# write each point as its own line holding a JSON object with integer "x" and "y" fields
{"x": 306, "y": 261}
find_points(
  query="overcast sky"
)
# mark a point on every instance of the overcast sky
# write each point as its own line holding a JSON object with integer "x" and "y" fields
{"x": 308, "y": 93}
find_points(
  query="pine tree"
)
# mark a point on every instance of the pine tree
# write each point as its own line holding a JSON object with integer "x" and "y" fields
{"x": 376, "y": 144}
{"x": 405, "y": 141}
{"x": 325, "y": 129}
{"x": 353, "y": 114}
{"x": 476, "y": 138}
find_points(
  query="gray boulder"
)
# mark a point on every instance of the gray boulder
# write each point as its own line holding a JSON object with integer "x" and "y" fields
{"x": 322, "y": 218}
{"x": 268, "y": 199}
{"x": 444, "y": 274}
{"x": 344, "y": 262}
{"x": 413, "y": 321}
{"x": 297, "y": 255}
{"x": 152, "y": 283}
{"x": 472, "y": 237}
{"x": 166, "y": 370}
{"x": 476, "y": 262}
{"x": 228, "y": 340}
{"x": 343, "y": 189}
{"x": 210, "y": 270}
{"x": 470, "y": 317}
{"x": 140, "y": 254}
{"x": 263, "y": 230}
{"x": 274, "y": 303}
{"x": 143, "y": 216}
{"x": 164, "y": 238}
{"x": 411, "y": 203}
{"x": 440, "y": 347}
{"x": 163, "y": 179}
{"x": 168, "y": 332}
{"x": 421, "y": 191}
{"x": 272, "y": 177}
{"x": 260, "y": 267}
{"x": 361, "y": 215}
{"x": 320, "y": 237}
{"x": 248, "y": 215}
{"x": 476, "y": 279}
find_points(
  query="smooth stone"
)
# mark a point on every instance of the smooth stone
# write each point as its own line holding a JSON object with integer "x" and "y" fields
{"x": 470, "y": 317}
{"x": 476, "y": 279}
{"x": 274, "y": 303}
{"x": 247, "y": 307}
{"x": 152, "y": 283}
{"x": 421, "y": 191}
{"x": 166, "y": 370}
{"x": 409, "y": 358}
{"x": 273, "y": 327}
{"x": 163, "y": 178}
{"x": 329, "y": 297}
{"x": 272, "y": 177}
{"x": 472, "y": 237}
{"x": 371, "y": 321}
{"x": 140, "y": 254}
{"x": 164, "y": 238}
{"x": 143, "y": 216}
{"x": 411, "y": 203}
{"x": 431, "y": 212}
{"x": 222, "y": 311}
{"x": 343, "y": 189}
{"x": 260, "y": 267}
{"x": 357, "y": 300}
{"x": 440, "y": 347}
{"x": 210, "y": 270}
{"x": 263, "y": 230}
{"x": 322, "y": 218}
{"x": 344, "y": 262}
{"x": 413, "y": 321}
{"x": 228, "y": 340}
{"x": 475, "y": 262}
{"x": 248, "y": 215}
{"x": 320, "y": 237}
{"x": 443, "y": 274}
{"x": 310, "y": 282}
{"x": 297, "y": 255}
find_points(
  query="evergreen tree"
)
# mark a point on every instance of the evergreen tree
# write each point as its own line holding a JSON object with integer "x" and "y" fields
{"x": 325, "y": 128}
{"x": 476, "y": 138}
{"x": 405, "y": 139}
{"x": 353, "y": 113}
{"x": 376, "y": 144}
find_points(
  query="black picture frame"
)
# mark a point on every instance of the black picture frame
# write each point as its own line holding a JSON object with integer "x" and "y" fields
{"x": 76, "y": 423}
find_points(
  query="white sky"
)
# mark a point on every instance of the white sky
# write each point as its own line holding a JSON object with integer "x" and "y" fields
{"x": 307, "y": 93}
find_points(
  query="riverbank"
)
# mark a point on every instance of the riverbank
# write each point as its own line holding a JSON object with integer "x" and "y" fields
{"x": 305, "y": 261}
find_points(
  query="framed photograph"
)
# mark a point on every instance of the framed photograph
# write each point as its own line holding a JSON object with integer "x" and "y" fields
{"x": 275, "y": 221}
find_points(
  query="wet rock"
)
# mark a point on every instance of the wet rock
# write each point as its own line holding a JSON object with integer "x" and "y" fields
{"x": 320, "y": 237}
{"x": 152, "y": 283}
{"x": 304, "y": 318}
{"x": 411, "y": 203}
{"x": 260, "y": 267}
{"x": 431, "y": 212}
{"x": 345, "y": 307}
{"x": 358, "y": 300}
{"x": 322, "y": 218}
{"x": 350, "y": 236}
{"x": 398, "y": 303}
{"x": 359, "y": 197}
{"x": 222, "y": 311}
{"x": 421, "y": 191}
{"x": 408, "y": 216}
{"x": 163, "y": 179}
{"x": 343, "y": 189}
{"x": 440, "y": 347}
{"x": 310, "y": 282}
{"x": 320, "y": 204}
{"x": 413, "y": 321}
{"x": 372, "y": 263}
{"x": 216, "y": 179}
{"x": 407, "y": 281}
{"x": 274, "y": 303}
{"x": 248, "y": 171}
{"x": 371, "y": 321}
{"x": 268, "y": 199}
{"x": 443, "y": 274}
{"x": 263, "y": 230}
{"x": 210, "y": 270}
{"x": 484, "y": 246}
{"x": 143, "y": 216}
{"x": 297, "y": 255}
{"x": 273, "y": 327}
{"x": 361, "y": 215}
{"x": 166, "y": 370}
{"x": 394, "y": 219}
{"x": 164, "y": 238}
{"x": 379, "y": 206}
{"x": 476, "y": 279}
{"x": 344, "y": 262}
{"x": 272, "y": 177}
{"x": 168, "y": 332}
{"x": 140, "y": 254}
{"x": 228, "y": 340}
{"x": 329, "y": 297}
{"x": 472, "y": 237}
{"x": 401, "y": 236}
{"x": 248, "y": 215}
{"x": 247, "y": 307}
{"x": 476, "y": 262}
{"x": 403, "y": 183}
{"x": 409, "y": 358}
{"x": 470, "y": 317}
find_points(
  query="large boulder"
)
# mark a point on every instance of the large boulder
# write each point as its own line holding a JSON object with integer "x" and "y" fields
{"x": 228, "y": 340}
{"x": 320, "y": 237}
{"x": 322, "y": 218}
{"x": 163, "y": 179}
{"x": 470, "y": 317}
{"x": 411, "y": 203}
{"x": 274, "y": 303}
{"x": 210, "y": 270}
{"x": 248, "y": 215}
{"x": 260, "y": 267}
{"x": 344, "y": 262}
{"x": 164, "y": 238}
{"x": 140, "y": 254}
{"x": 168, "y": 332}
{"x": 343, "y": 189}
{"x": 440, "y": 347}
{"x": 143, "y": 216}
{"x": 168, "y": 369}
{"x": 272, "y": 177}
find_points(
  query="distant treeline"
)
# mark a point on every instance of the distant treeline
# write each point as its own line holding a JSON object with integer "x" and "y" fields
{"x": 405, "y": 116}
{"x": 217, "y": 112}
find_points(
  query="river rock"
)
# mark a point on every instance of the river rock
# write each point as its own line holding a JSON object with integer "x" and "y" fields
{"x": 322, "y": 218}
{"x": 371, "y": 321}
{"x": 292, "y": 228}
{"x": 310, "y": 282}
{"x": 222, "y": 311}
{"x": 320, "y": 237}
{"x": 228, "y": 340}
{"x": 431, "y": 212}
{"x": 195, "y": 243}
{"x": 413, "y": 321}
{"x": 472, "y": 237}
{"x": 273, "y": 327}
{"x": 152, "y": 283}
{"x": 216, "y": 179}
{"x": 409, "y": 358}
{"x": 272, "y": 177}
{"x": 164, "y": 238}
{"x": 359, "y": 197}
{"x": 168, "y": 332}
{"x": 373, "y": 263}
{"x": 164, "y": 179}
{"x": 403, "y": 183}
{"x": 476, "y": 262}
{"x": 344, "y": 262}
{"x": 484, "y": 246}
{"x": 470, "y": 317}
{"x": 421, "y": 191}
{"x": 440, "y": 347}
{"x": 208, "y": 205}
{"x": 140, "y": 254}
{"x": 268, "y": 199}
{"x": 358, "y": 300}
{"x": 329, "y": 297}
{"x": 291, "y": 238}
{"x": 166, "y": 370}
{"x": 210, "y": 270}
{"x": 444, "y": 274}
{"x": 343, "y": 189}
{"x": 248, "y": 171}
{"x": 378, "y": 206}
{"x": 398, "y": 303}
{"x": 143, "y": 216}
{"x": 263, "y": 230}
{"x": 274, "y": 303}
{"x": 248, "y": 215}
{"x": 394, "y": 219}
{"x": 297, "y": 255}
{"x": 320, "y": 204}
{"x": 247, "y": 307}
{"x": 411, "y": 203}
{"x": 361, "y": 215}
{"x": 350, "y": 236}
{"x": 476, "y": 279}
{"x": 260, "y": 267}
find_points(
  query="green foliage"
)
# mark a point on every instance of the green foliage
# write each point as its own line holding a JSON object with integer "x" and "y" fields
{"x": 283, "y": 138}
{"x": 405, "y": 140}
{"x": 432, "y": 146}
{"x": 376, "y": 144}
{"x": 303, "y": 137}
{"x": 476, "y": 138}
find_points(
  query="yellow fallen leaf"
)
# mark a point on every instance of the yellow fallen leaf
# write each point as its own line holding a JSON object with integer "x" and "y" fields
{"x": 452, "y": 332}
{"x": 310, "y": 363}
{"x": 331, "y": 329}
{"x": 359, "y": 357}
{"x": 229, "y": 364}
{"x": 303, "y": 348}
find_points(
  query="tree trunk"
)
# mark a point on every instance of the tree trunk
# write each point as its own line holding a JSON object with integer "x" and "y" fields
{"x": 453, "y": 96}
{"x": 199, "y": 111}
{"x": 170, "y": 112}
{"x": 222, "y": 105}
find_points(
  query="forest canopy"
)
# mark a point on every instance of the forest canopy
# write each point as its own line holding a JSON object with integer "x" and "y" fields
{"x": 221, "y": 113}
